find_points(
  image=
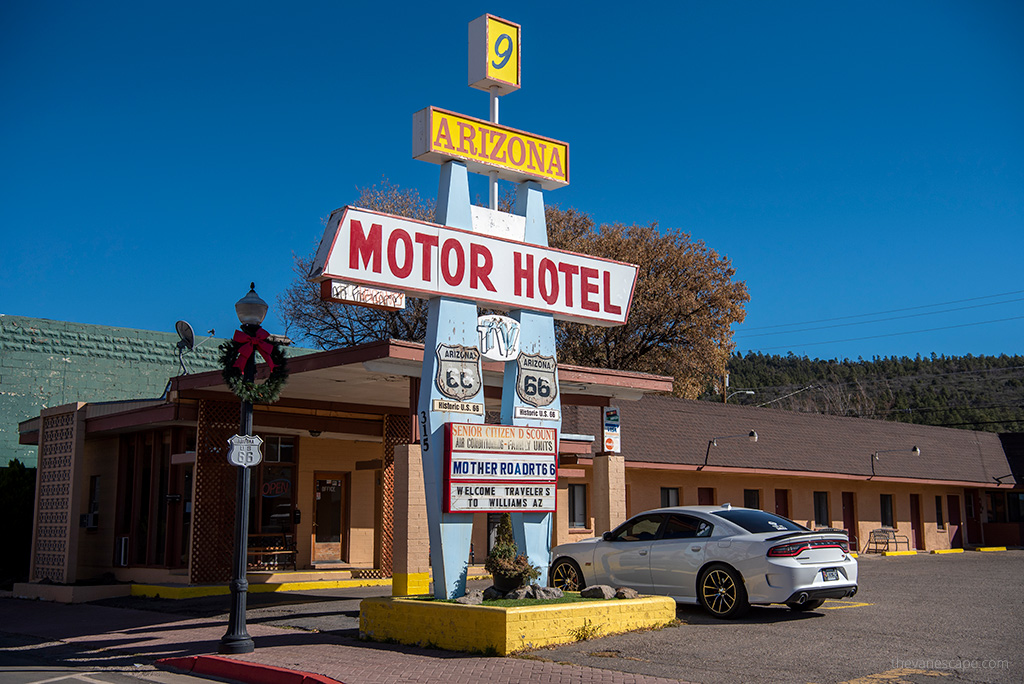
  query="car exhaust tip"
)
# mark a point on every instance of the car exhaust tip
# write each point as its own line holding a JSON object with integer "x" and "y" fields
{"x": 802, "y": 598}
{"x": 852, "y": 592}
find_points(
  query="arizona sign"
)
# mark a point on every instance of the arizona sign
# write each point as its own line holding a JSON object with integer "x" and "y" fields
{"x": 427, "y": 260}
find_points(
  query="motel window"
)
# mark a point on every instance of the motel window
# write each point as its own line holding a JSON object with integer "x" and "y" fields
{"x": 822, "y": 518}
{"x": 669, "y": 496}
{"x": 272, "y": 493}
{"x": 940, "y": 520}
{"x": 578, "y": 505}
{"x": 1015, "y": 506}
{"x": 996, "y": 507}
{"x": 752, "y": 498}
{"x": 886, "y": 511}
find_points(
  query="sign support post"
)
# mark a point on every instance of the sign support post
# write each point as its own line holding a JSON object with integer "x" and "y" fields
{"x": 532, "y": 531}
{"x": 451, "y": 324}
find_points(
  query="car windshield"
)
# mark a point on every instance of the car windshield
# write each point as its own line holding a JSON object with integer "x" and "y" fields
{"x": 760, "y": 521}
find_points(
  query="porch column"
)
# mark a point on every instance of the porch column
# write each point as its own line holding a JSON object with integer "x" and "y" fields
{"x": 410, "y": 556}
{"x": 609, "y": 495}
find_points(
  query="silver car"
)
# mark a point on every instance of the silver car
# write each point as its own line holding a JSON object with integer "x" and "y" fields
{"x": 723, "y": 558}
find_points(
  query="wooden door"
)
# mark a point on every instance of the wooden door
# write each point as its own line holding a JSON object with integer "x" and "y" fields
{"x": 329, "y": 523}
{"x": 782, "y": 502}
{"x": 850, "y": 517}
{"x": 956, "y": 538}
{"x": 705, "y": 496}
{"x": 915, "y": 521}
{"x": 972, "y": 502}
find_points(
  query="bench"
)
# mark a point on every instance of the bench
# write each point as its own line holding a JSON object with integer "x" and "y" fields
{"x": 271, "y": 551}
{"x": 885, "y": 537}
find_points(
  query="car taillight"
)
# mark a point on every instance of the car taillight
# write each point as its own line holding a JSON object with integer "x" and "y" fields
{"x": 788, "y": 549}
{"x": 796, "y": 548}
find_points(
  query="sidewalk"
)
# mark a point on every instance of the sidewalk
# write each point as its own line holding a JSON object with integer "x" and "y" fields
{"x": 103, "y": 636}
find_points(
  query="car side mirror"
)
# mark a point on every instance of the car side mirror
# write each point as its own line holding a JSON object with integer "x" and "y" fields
{"x": 607, "y": 536}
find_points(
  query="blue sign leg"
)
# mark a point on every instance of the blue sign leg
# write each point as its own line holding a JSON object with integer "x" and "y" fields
{"x": 537, "y": 336}
{"x": 450, "y": 322}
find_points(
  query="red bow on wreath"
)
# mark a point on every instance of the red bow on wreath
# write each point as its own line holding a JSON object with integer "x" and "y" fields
{"x": 251, "y": 343}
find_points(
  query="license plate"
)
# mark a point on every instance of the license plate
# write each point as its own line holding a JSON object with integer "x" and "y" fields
{"x": 830, "y": 574}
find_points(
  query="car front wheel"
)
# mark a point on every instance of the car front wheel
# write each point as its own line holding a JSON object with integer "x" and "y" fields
{"x": 566, "y": 575}
{"x": 721, "y": 592}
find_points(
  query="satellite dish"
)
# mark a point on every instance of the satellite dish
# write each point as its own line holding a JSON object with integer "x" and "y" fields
{"x": 188, "y": 338}
{"x": 186, "y": 343}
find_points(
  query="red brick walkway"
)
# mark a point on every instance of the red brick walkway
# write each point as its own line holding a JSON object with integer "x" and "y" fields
{"x": 113, "y": 637}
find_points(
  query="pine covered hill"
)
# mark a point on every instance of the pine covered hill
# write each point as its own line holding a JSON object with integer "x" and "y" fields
{"x": 969, "y": 392}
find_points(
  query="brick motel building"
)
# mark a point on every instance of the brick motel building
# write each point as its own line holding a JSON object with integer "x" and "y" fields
{"x": 141, "y": 489}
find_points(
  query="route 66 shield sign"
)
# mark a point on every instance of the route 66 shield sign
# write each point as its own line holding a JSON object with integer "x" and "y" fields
{"x": 458, "y": 371}
{"x": 536, "y": 383}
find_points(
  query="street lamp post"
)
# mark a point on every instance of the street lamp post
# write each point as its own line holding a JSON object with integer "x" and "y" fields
{"x": 727, "y": 397}
{"x": 251, "y": 311}
{"x": 752, "y": 436}
{"x": 874, "y": 456}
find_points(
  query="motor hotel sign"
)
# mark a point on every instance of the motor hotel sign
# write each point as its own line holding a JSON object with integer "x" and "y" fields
{"x": 427, "y": 260}
{"x": 500, "y": 467}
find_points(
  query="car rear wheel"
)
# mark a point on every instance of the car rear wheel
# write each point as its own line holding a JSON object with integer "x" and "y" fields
{"x": 566, "y": 575}
{"x": 806, "y": 605}
{"x": 721, "y": 592}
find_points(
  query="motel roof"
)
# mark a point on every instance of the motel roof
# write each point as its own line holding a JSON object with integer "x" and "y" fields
{"x": 663, "y": 431}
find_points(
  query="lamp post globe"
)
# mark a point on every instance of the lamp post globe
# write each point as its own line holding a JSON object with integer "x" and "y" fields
{"x": 251, "y": 309}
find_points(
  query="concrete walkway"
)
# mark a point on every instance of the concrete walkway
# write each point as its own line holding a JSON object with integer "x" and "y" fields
{"x": 105, "y": 637}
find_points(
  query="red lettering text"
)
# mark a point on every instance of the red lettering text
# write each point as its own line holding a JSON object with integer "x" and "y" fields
{"x": 588, "y": 288}
{"x": 452, "y": 278}
{"x": 480, "y": 265}
{"x": 365, "y": 246}
{"x": 397, "y": 236}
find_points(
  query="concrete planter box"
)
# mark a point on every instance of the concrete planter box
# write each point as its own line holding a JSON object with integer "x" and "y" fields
{"x": 417, "y": 621}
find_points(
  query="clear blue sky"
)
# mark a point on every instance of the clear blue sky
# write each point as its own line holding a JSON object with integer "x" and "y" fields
{"x": 850, "y": 158}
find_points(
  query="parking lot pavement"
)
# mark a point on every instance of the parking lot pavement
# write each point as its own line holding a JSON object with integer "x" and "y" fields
{"x": 923, "y": 618}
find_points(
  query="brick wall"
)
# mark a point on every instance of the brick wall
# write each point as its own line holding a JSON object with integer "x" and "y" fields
{"x": 47, "y": 363}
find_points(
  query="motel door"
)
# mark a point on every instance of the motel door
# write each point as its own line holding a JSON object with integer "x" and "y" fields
{"x": 915, "y": 521}
{"x": 972, "y": 504}
{"x": 329, "y": 517}
{"x": 850, "y": 517}
{"x": 956, "y": 539}
{"x": 782, "y": 502}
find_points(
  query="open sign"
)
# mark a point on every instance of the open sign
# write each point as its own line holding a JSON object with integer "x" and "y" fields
{"x": 276, "y": 488}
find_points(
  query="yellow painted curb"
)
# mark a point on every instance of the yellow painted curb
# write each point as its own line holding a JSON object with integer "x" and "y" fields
{"x": 985, "y": 549}
{"x": 899, "y": 553}
{"x": 854, "y": 554}
{"x": 184, "y": 592}
{"x": 419, "y": 581}
{"x": 496, "y": 630}
{"x": 946, "y": 551}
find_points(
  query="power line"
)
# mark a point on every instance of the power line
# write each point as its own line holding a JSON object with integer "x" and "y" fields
{"x": 889, "y": 311}
{"x": 879, "y": 320}
{"x": 908, "y": 332}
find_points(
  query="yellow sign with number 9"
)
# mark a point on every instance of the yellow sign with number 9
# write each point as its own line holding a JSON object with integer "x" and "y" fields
{"x": 494, "y": 54}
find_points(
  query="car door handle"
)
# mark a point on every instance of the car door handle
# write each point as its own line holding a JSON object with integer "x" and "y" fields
{"x": 643, "y": 553}
{"x": 695, "y": 548}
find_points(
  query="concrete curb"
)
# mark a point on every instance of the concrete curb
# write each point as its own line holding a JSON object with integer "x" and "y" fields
{"x": 240, "y": 671}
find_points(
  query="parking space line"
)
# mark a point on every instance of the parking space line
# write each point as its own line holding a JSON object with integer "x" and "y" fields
{"x": 843, "y": 604}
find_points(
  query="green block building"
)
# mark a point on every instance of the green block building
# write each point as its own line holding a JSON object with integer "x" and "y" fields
{"x": 46, "y": 363}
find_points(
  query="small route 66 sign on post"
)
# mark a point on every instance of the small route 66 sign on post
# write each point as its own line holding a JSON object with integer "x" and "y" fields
{"x": 244, "y": 450}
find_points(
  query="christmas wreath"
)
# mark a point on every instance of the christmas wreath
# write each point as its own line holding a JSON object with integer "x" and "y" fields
{"x": 237, "y": 351}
